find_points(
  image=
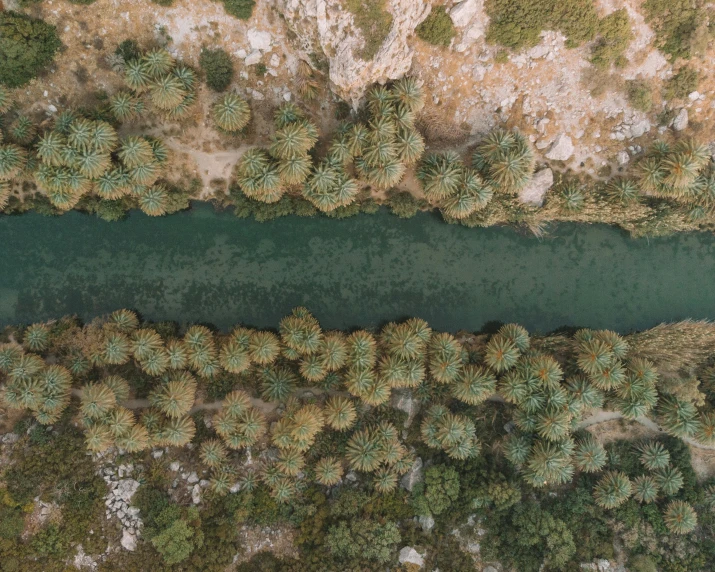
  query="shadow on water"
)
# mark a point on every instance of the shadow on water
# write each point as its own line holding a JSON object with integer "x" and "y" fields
{"x": 211, "y": 267}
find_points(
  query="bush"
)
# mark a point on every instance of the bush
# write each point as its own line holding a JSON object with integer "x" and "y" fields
{"x": 129, "y": 50}
{"x": 441, "y": 487}
{"x": 374, "y": 23}
{"x": 217, "y": 67}
{"x": 27, "y": 45}
{"x": 518, "y": 23}
{"x": 437, "y": 29}
{"x": 614, "y": 36}
{"x": 682, "y": 83}
{"x": 164, "y": 2}
{"x": 241, "y": 9}
{"x": 363, "y": 539}
{"x": 677, "y": 25}
{"x": 640, "y": 94}
{"x": 403, "y": 204}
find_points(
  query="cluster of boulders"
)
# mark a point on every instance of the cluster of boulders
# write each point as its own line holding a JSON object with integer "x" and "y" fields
{"x": 122, "y": 488}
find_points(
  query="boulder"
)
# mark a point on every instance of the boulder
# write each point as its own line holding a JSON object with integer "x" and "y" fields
{"x": 426, "y": 522}
{"x": 332, "y": 27}
{"x": 413, "y": 476}
{"x": 196, "y": 494}
{"x": 405, "y": 401}
{"x": 680, "y": 122}
{"x": 561, "y": 149}
{"x": 409, "y": 555}
{"x": 463, "y": 12}
{"x": 535, "y": 191}
{"x": 126, "y": 488}
{"x": 129, "y": 541}
{"x": 253, "y": 58}
{"x": 258, "y": 40}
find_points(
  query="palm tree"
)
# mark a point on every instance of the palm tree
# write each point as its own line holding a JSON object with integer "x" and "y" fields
{"x": 651, "y": 175}
{"x": 221, "y": 481}
{"x": 517, "y": 448}
{"x": 25, "y": 367}
{"x": 677, "y": 417}
{"x": 277, "y": 383}
{"x": 234, "y": 358}
{"x": 291, "y": 141}
{"x": 594, "y": 356}
{"x": 213, "y": 453}
{"x": 474, "y": 385}
{"x": 612, "y": 490}
{"x": 361, "y": 349}
{"x": 328, "y": 471}
{"x": 167, "y": 92}
{"x": 358, "y": 138}
{"x": 135, "y": 439}
{"x": 609, "y": 377}
{"x": 155, "y": 363}
{"x": 590, "y": 456}
{"x": 669, "y": 480}
{"x": 623, "y": 190}
{"x": 286, "y": 114}
{"x": 176, "y": 354}
{"x": 680, "y": 171}
{"x": 98, "y": 438}
{"x": 263, "y": 347}
{"x": 385, "y": 480}
{"x": 161, "y": 152}
{"x": 197, "y": 337}
{"x": 116, "y": 348}
{"x": 236, "y": 403}
{"x": 174, "y": 398}
{"x": 409, "y": 146}
{"x": 144, "y": 342}
{"x": 136, "y": 75}
{"x": 363, "y": 451}
{"x": 123, "y": 105}
{"x": 12, "y": 161}
{"x": 408, "y": 92}
{"x": 333, "y": 351}
{"x": 252, "y": 424}
{"x": 294, "y": 171}
{"x": 501, "y": 353}
{"x": 283, "y": 490}
{"x": 5, "y": 100}
{"x": 185, "y": 75}
{"x": 290, "y": 462}
{"x": 124, "y": 321}
{"x": 36, "y": 337}
{"x": 145, "y": 174}
{"x": 645, "y": 489}
{"x": 231, "y": 113}
{"x": 153, "y": 200}
{"x": 178, "y": 431}
{"x": 118, "y": 385}
{"x": 680, "y": 517}
{"x": 548, "y": 464}
{"x": 9, "y": 355}
{"x": 158, "y": 62}
{"x": 301, "y": 332}
{"x": 516, "y": 334}
{"x": 706, "y": 428}
{"x": 119, "y": 421}
{"x": 135, "y": 151}
{"x": 103, "y": 137}
{"x": 440, "y": 175}
{"x": 22, "y": 130}
{"x": 340, "y": 413}
{"x": 312, "y": 368}
{"x": 49, "y": 148}
{"x": 572, "y": 197}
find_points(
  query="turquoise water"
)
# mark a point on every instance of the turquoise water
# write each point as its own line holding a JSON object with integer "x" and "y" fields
{"x": 211, "y": 267}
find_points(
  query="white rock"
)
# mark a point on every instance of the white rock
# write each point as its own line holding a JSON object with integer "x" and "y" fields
{"x": 287, "y": 95}
{"x": 257, "y": 95}
{"x": 11, "y": 438}
{"x": 51, "y": 108}
{"x": 275, "y": 60}
{"x": 426, "y": 522}
{"x": 623, "y": 157}
{"x": 203, "y": 483}
{"x": 192, "y": 478}
{"x": 253, "y": 58}
{"x": 463, "y": 12}
{"x": 409, "y": 555}
{"x": 681, "y": 120}
{"x": 133, "y": 512}
{"x": 82, "y": 560}
{"x": 157, "y": 454}
{"x": 241, "y": 53}
{"x": 351, "y": 476}
{"x": 258, "y": 40}
{"x": 641, "y": 128}
{"x": 129, "y": 541}
{"x": 535, "y": 191}
{"x": 126, "y": 489}
{"x": 235, "y": 488}
{"x": 175, "y": 466}
{"x": 693, "y": 96}
{"x": 490, "y": 569}
{"x": 562, "y": 149}
{"x": 413, "y": 476}
{"x": 196, "y": 494}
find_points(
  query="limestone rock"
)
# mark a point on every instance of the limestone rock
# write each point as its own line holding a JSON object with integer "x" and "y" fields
{"x": 535, "y": 191}
{"x": 328, "y": 23}
{"x": 561, "y": 149}
{"x": 405, "y": 401}
{"x": 258, "y": 40}
{"x": 253, "y": 58}
{"x": 681, "y": 120}
{"x": 129, "y": 541}
{"x": 409, "y": 555}
{"x": 623, "y": 157}
{"x": 426, "y": 522}
{"x": 126, "y": 488}
{"x": 463, "y": 12}
{"x": 413, "y": 476}
{"x": 196, "y": 494}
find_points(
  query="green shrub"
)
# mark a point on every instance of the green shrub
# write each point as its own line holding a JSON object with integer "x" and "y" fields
{"x": 27, "y": 45}
{"x": 682, "y": 83}
{"x": 363, "y": 539}
{"x": 437, "y": 29}
{"x": 241, "y": 9}
{"x": 129, "y": 50}
{"x": 174, "y": 542}
{"x": 403, "y": 204}
{"x": 164, "y": 2}
{"x": 614, "y": 36}
{"x": 374, "y": 23}
{"x": 517, "y": 23}
{"x": 677, "y": 24}
{"x": 640, "y": 94}
{"x": 217, "y": 67}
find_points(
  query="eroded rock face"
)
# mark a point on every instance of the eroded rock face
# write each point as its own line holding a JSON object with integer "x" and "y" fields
{"x": 332, "y": 27}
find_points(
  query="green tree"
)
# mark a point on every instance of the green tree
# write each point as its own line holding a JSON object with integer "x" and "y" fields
{"x": 363, "y": 539}
{"x": 441, "y": 488}
{"x": 27, "y": 46}
{"x": 176, "y": 542}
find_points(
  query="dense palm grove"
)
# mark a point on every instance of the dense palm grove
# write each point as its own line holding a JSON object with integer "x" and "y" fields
{"x": 313, "y": 404}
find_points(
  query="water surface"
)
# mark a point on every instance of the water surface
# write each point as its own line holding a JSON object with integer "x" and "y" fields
{"x": 213, "y": 267}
